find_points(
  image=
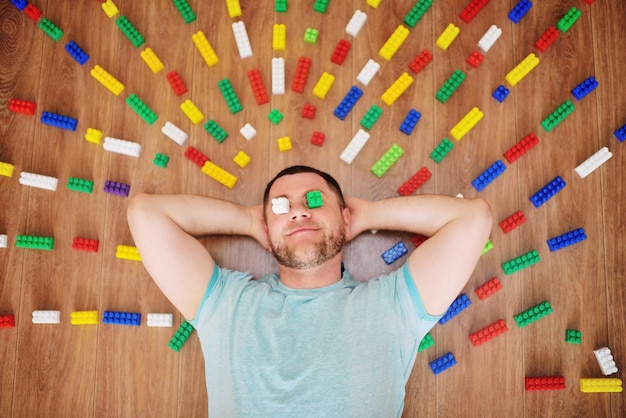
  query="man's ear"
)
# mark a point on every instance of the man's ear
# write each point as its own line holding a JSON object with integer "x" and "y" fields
{"x": 347, "y": 216}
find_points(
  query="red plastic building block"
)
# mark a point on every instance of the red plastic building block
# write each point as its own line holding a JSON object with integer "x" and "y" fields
{"x": 33, "y": 12}
{"x": 22, "y": 106}
{"x": 547, "y": 38}
{"x": 177, "y": 84}
{"x": 490, "y": 332}
{"x": 589, "y": 1}
{"x": 341, "y": 51}
{"x": 420, "y": 61}
{"x": 7, "y": 321}
{"x": 418, "y": 239}
{"x": 544, "y": 383}
{"x": 318, "y": 138}
{"x": 472, "y": 9}
{"x": 85, "y": 244}
{"x": 475, "y": 59}
{"x": 488, "y": 288}
{"x": 521, "y": 148}
{"x": 301, "y": 75}
{"x": 258, "y": 88}
{"x": 512, "y": 222}
{"x": 415, "y": 182}
{"x": 196, "y": 156}
{"x": 308, "y": 111}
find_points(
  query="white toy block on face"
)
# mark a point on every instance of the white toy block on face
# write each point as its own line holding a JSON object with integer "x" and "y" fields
{"x": 489, "y": 38}
{"x": 174, "y": 133}
{"x": 278, "y": 76}
{"x": 39, "y": 181}
{"x": 46, "y": 317}
{"x": 248, "y": 131}
{"x": 241, "y": 37}
{"x": 3, "y": 241}
{"x": 356, "y": 23}
{"x": 119, "y": 146}
{"x": 368, "y": 72}
{"x": 280, "y": 205}
{"x": 593, "y": 162}
{"x": 605, "y": 360}
{"x": 354, "y": 147}
{"x": 160, "y": 319}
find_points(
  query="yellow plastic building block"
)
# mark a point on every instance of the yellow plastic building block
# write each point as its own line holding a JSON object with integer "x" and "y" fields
{"x": 596, "y": 385}
{"x": 84, "y": 317}
{"x": 394, "y": 42}
{"x": 522, "y": 69}
{"x": 397, "y": 88}
{"x": 127, "y": 252}
{"x": 6, "y": 169}
{"x": 234, "y": 8}
{"x": 192, "y": 112}
{"x": 93, "y": 135}
{"x": 284, "y": 143}
{"x": 323, "y": 85}
{"x": 107, "y": 80}
{"x": 205, "y": 48}
{"x": 279, "y": 38}
{"x": 374, "y": 3}
{"x": 219, "y": 174}
{"x": 467, "y": 123}
{"x": 152, "y": 60}
{"x": 447, "y": 36}
{"x": 242, "y": 159}
{"x": 110, "y": 8}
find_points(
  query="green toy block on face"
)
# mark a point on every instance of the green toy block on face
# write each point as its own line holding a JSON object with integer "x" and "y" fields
{"x": 215, "y": 131}
{"x": 426, "y": 342}
{"x": 573, "y": 336}
{"x": 34, "y": 243}
{"x": 442, "y": 150}
{"x": 182, "y": 335}
{"x": 314, "y": 199}
{"x": 80, "y": 185}
{"x": 275, "y": 116}
{"x": 310, "y": 35}
{"x": 161, "y": 160}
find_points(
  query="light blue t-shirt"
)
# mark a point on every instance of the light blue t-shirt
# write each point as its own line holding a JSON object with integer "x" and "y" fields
{"x": 344, "y": 350}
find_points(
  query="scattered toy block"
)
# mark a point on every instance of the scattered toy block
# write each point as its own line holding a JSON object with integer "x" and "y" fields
{"x": 354, "y": 146}
{"x": 368, "y": 72}
{"x": 533, "y": 314}
{"x": 397, "y": 89}
{"x": 548, "y": 37}
{"x": 522, "y": 69}
{"x": 323, "y": 85}
{"x": 567, "y": 239}
{"x": 573, "y": 336}
{"x": 121, "y": 318}
{"x": 247, "y": 131}
{"x": 521, "y": 148}
{"x": 420, "y": 61}
{"x": 548, "y": 191}
{"x": 196, "y": 156}
{"x": 488, "y": 333}
{"x": 472, "y": 9}
{"x": 521, "y": 262}
{"x": 7, "y": 321}
{"x": 442, "y": 363}
{"x": 356, "y": 23}
{"x": 39, "y": 181}
{"x": 395, "y": 41}
{"x": 84, "y": 317}
{"x": 458, "y": 305}
{"x": 177, "y": 83}
{"x": 489, "y": 38}
{"x": 308, "y": 111}
{"x": 241, "y": 39}
{"x": 120, "y": 146}
{"x": 59, "y": 121}
{"x": 466, "y": 123}
{"x": 348, "y": 102}
{"x": 318, "y": 138}
{"x": 488, "y": 288}
{"x": 160, "y": 320}
{"x": 301, "y": 75}
{"x": 80, "y": 185}
{"x": 174, "y": 133}
{"x": 278, "y": 75}
{"x": 426, "y": 342}
{"x": 22, "y": 106}
{"x": 593, "y": 162}
{"x": 46, "y": 317}
{"x": 489, "y": 175}
{"x": 410, "y": 121}
{"x": 605, "y": 361}
{"x": 544, "y": 383}
{"x": 417, "y": 11}
{"x": 415, "y": 182}
{"x": 512, "y": 222}
{"x": 85, "y": 244}
{"x": 584, "y": 88}
{"x": 219, "y": 174}
{"x": 341, "y": 52}
{"x": 601, "y": 385}
{"x": 394, "y": 253}
{"x": 387, "y": 160}
{"x": 500, "y": 93}
{"x": 519, "y": 11}
{"x": 182, "y": 335}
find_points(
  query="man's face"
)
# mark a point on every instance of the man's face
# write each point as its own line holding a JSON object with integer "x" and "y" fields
{"x": 304, "y": 238}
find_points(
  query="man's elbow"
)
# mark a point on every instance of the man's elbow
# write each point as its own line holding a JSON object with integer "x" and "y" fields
{"x": 137, "y": 207}
{"x": 482, "y": 215}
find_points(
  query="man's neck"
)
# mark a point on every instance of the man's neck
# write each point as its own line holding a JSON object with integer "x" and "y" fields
{"x": 313, "y": 278}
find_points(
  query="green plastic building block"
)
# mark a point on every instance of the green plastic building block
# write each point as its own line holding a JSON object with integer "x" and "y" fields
{"x": 275, "y": 116}
{"x": 161, "y": 160}
{"x": 558, "y": 116}
{"x": 371, "y": 117}
{"x": 280, "y": 6}
{"x": 426, "y": 342}
{"x": 320, "y": 6}
{"x": 130, "y": 31}
{"x": 569, "y": 19}
{"x": 573, "y": 336}
{"x": 533, "y": 314}
{"x": 182, "y": 335}
{"x": 141, "y": 109}
{"x": 386, "y": 161}
{"x": 229, "y": 95}
{"x": 80, "y": 185}
{"x": 521, "y": 262}
{"x": 442, "y": 150}
{"x": 488, "y": 247}
{"x": 51, "y": 29}
{"x": 215, "y": 131}
{"x": 310, "y": 35}
{"x": 34, "y": 243}
{"x": 185, "y": 10}
{"x": 314, "y": 199}
{"x": 416, "y": 13}
{"x": 450, "y": 86}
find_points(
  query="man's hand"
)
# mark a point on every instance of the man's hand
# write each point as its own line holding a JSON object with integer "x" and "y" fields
{"x": 358, "y": 217}
{"x": 258, "y": 230}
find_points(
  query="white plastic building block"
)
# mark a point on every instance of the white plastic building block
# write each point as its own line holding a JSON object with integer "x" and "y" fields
{"x": 368, "y": 72}
{"x": 3, "y": 240}
{"x": 160, "y": 319}
{"x": 354, "y": 147}
{"x": 46, "y": 317}
{"x": 241, "y": 37}
{"x": 460, "y": 195}
{"x": 489, "y": 38}
{"x": 278, "y": 75}
{"x": 593, "y": 162}
{"x": 39, "y": 181}
{"x": 605, "y": 360}
{"x": 356, "y": 23}
{"x": 280, "y": 205}
{"x": 119, "y": 146}
{"x": 248, "y": 131}
{"x": 174, "y": 133}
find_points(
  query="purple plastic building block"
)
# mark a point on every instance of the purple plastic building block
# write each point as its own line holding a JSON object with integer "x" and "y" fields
{"x": 122, "y": 318}
{"x": 620, "y": 134}
{"x": 409, "y": 122}
{"x": 348, "y": 102}
{"x": 59, "y": 121}
{"x": 585, "y": 88}
{"x": 459, "y": 304}
{"x": 395, "y": 252}
{"x": 442, "y": 363}
{"x": 500, "y": 93}
{"x": 113, "y": 187}
{"x": 488, "y": 175}
{"x": 77, "y": 52}
{"x": 547, "y": 191}
{"x": 567, "y": 239}
{"x": 520, "y": 10}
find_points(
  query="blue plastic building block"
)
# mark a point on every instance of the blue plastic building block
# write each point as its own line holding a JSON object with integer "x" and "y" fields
{"x": 122, "y": 318}
{"x": 59, "y": 121}
{"x": 77, "y": 52}
{"x": 395, "y": 252}
{"x": 547, "y": 191}
{"x": 488, "y": 175}
{"x": 567, "y": 239}
{"x": 620, "y": 134}
{"x": 348, "y": 102}
{"x": 460, "y": 303}
{"x": 408, "y": 124}
{"x": 500, "y": 93}
{"x": 442, "y": 363}
{"x": 20, "y": 4}
{"x": 520, "y": 10}
{"x": 585, "y": 88}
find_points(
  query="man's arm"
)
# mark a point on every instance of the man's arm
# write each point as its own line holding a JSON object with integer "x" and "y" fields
{"x": 458, "y": 231}
{"x": 164, "y": 228}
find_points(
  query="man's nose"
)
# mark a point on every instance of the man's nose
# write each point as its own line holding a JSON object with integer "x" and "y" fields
{"x": 299, "y": 211}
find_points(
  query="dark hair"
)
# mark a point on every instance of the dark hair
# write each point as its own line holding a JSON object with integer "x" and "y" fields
{"x": 297, "y": 169}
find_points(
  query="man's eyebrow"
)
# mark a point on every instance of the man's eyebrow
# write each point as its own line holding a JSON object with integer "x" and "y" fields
{"x": 287, "y": 196}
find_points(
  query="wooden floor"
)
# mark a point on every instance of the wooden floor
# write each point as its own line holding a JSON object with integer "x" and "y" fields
{"x": 112, "y": 371}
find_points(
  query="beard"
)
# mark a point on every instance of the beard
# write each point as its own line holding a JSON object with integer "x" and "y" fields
{"x": 301, "y": 258}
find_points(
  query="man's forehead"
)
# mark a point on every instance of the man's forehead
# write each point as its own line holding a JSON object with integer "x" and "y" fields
{"x": 297, "y": 184}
